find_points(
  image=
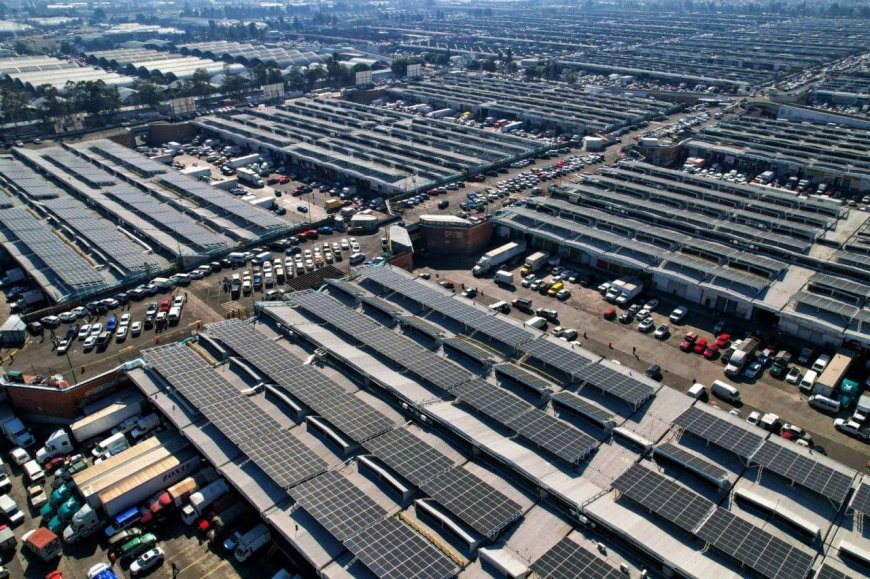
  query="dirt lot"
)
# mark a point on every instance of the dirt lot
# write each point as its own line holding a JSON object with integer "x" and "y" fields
{"x": 183, "y": 545}
{"x": 624, "y": 343}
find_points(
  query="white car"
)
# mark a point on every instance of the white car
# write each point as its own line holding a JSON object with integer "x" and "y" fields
{"x": 850, "y": 427}
{"x": 96, "y": 329}
{"x": 136, "y": 329}
{"x": 754, "y": 418}
{"x": 646, "y": 326}
{"x": 678, "y": 314}
{"x": 63, "y": 347}
{"x": 85, "y": 331}
{"x": 178, "y": 302}
{"x": 344, "y": 245}
{"x": 125, "y": 320}
{"x": 662, "y": 332}
{"x": 794, "y": 375}
{"x": 89, "y": 343}
{"x": 122, "y": 333}
{"x": 147, "y": 561}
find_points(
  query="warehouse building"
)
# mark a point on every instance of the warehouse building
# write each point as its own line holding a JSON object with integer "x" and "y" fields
{"x": 850, "y": 88}
{"x": 821, "y": 153}
{"x": 251, "y": 55}
{"x": 87, "y": 219}
{"x": 383, "y": 151}
{"x": 148, "y": 63}
{"x": 34, "y": 72}
{"x": 743, "y": 250}
{"x": 553, "y": 106}
{"x": 431, "y": 437}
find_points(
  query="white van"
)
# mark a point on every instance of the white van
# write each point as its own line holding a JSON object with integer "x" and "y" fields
{"x": 725, "y": 391}
{"x": 808, "y": 381}
{"x": 501, "y": 307}
{"x": 821, "y": 363}
{"x": 698, "y": 391}
{"x": 536, "y": 322}
{"x": 33, "y": 472}
{"x": 181, "y": 278}
{"x": 10, "y": 510}
{"x": 174, "y": 315}
{"x": 824, "y": 404}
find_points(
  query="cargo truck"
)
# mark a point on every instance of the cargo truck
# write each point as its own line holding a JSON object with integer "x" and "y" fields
{"x": 497, "y": 257}
{"x": 630, "y": 289}
{"x": 251, "y": 541}
{"x": 741, "y": 356}
{"x": 862, "y": 409}
{"x": 137, "y": 488}
{"x": 107, "y": 414}
{"x": 504, "y": 277}
{"x": 534, "y": 262}
{"x": 43, "y": 543}
{"x": 200, "y": 500}
{"x": 249, "y": 177}
{"x": 833, "y": 373}
{"x": 14, "y": 430}
{"x": 243, "y": 161}
{"x": 222, "y": 523}
{"x": 28, "y": 298}
{"x": 333, "y": 205}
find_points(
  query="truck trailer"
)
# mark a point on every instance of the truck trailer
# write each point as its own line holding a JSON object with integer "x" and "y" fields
{"x": 200, "y": 500}
{"x": 833, "y": 373}
{"x": 498, "y": 256}
{"x": 741, "y": 356}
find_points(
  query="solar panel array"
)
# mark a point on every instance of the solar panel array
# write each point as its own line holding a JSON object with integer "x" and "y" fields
{"x": 805, "y": 471}
{"x": 737, "y": 439}
{"x": 471, "y": 350}
{"x": 664, "y": 497}
{"x": 64, "y": 263}
{"x": 828, "y": 572}
{"x": 596, "y": 414}
{"x": 34, "y": 185}
{"x": 861, "y": 500}
{"x": 498, "y": 404}
{"x": 285, "y": 459}
{"x": 351, "y": 415}
{"x": 164, "y": 216}
{"x": 556, "y": 436}
{"x": 764, "y": 553}
{"x": 475, "y": 502}
{"x": 569, "y": 560}
{"x": 482, "y": 325}
{"x": 392, "y": 550}
{"x": 425, "y": 328}
{"x": 692, "y": 462}
{"x": 555, "y": 356}
{"x": 626, "y": 388}
{"x": 427, "y": 365}
{"x": 523, "y": 377}
{"x": 337, "y": 504}
{"x": 382, "y": 306}
{"x": 409, "y": 456}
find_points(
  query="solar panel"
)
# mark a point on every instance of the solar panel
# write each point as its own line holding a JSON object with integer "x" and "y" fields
{"x": 861, "y": 500}
{"x": 696, "y": 464}
{"x": 737, "y": 439}
{"x": 524, "y": 378}
{"x": 339, "y": 506}
{"x": 663, "y": 496}
{"x": 491, "y": 400}
{"x": 283, "y": 457}
{"x": 764, "y": 553}
{"x": 382, "y": 306}
{"x": 555, "y": 356}
{"x": 569, "y": 560}
{"x": 472, "y": 351}
{"x": 804, "y": 470}
{"x": 593, "y": 412}
{"x": 496, "y": 329}
{"x": 475, "y": 502}
{"x": 392, "y": 550}
{"x": 353, "y": 417}
{"x": 828, "y": 572}
{"x": 554, "y": 435}
{"x": 408, "y": 455}
{"x": 425, "y": 328}
{"x": 626, "y": 388}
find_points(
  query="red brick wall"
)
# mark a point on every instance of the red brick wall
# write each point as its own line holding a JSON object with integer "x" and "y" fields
{"x": 404, "y": 260}
{"x": 35, "y": 402}
{"x": 455, "y": 240}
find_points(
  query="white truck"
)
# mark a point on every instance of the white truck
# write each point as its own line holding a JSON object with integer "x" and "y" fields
{"x": 630, "y": 289}
{"x": 498, "y": 256}
{"x": 534, "y": 262}
{"x": 862, "y": 409}
{"x": 251, "y": 541}
{"x": 199, "y": 501}
{"x": 244, "y": 161}
{"x": 504, "y": 277}
{"x": 741, "y": 357}
{"x": 110, "y": 446}
{"x": 249, "y": 177}
{"x": 14, "y": 430}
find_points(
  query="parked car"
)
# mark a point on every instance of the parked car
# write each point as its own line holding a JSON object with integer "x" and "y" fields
{"x": 654, "y": 372}
{"x": 851, "y": 428}
{"x": 699, "y": 346}
{"x": 662, "y": 332}
{"x": 646, "y": 326}
{"x": 147, "y": 561}
{"x": 678, "y": 314}
{"x": 609, "y": 313}
{"x": 754, "y": 370}
{"x": 711, "y": 352}
{"x": 794, "y": 375}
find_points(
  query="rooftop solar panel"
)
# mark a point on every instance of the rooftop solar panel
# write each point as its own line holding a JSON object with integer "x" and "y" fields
{"x": 408, "y": 455}
{"x": 764, "y": 553}
{"x": 554, "y": 435}
{"x": 555, "y": 356}
{"x": 704, "y": 468}
{"x": 339, "y": 506}
{"x": 392, "y": 550}
{"x": 475, "y": 502}
{"x": 805, "y": 471}
{"x": 471, "y": 350}
{"x": 664, "y": 497}
{"x": 627, "y": 388}
{"x": 828, "y": 572}
{"x": 568, "y": 560}
{"x": 737, "y": 439}
{"x": 593, "y": 412}
{"x": 491, "y": 400}
{"x": 861, "y": 500}
{"x": 523, "y": 377}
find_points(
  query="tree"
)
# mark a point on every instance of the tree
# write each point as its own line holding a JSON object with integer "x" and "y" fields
{"x": 234, "y": 85}
{"x": 22, "y": 47}
{"x": 13, "y": 103}
{"x": 200, "y": 83}
{"x": 98, "y": 15}
{"x": 148, "y": 94}
{"x": 312, "y": 75}
{"x": 296, "y": 80}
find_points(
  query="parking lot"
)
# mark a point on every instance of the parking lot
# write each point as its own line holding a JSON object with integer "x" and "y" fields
{"x": 584, "y": 311}
{"x": 184, "y": 546}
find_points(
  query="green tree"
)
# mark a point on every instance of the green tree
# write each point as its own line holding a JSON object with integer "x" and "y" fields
{"x": 148, "y": 94}
{"x": 13, "y": 103}
{"x": 234, "y": 85}
{"x": 200, "y": 83}
{"x": 296, "y": 79}
{"x": 22, "y": 47}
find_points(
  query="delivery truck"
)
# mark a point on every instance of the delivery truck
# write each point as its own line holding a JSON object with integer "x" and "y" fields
{"x": 833, "y": 373}
{"x": 243, "y": 161}
{"x": 534, "y": 262}
{"x": 249, "y": 178}
{"x": 200, "y": 500}
{"x": 251, "y": 541}
{"x": 13, "y": 429}
{"x": 222, "y": 523}
{"x": 492, "y": 259}
{"x": 504, "y": 277}
{"x": 741, "y": 356}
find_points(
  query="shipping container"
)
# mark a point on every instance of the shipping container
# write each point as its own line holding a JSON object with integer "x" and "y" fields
{"x": 137, "y": 488}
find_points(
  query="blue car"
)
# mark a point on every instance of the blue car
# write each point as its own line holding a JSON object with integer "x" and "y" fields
{"x": 302, "y": 209}
{"x": 325, "y": 230}
{"x": 293, "y": 250}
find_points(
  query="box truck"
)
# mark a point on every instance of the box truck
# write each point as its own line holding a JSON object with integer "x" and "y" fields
{"x": 251, "y": 541}
{"x": 504, "y": 277}
{"x": 200, "y": 500}
{"x": 534, "y": 262}
{"x": 498, "y": 256}
{"x": 833, "y": 372}
{"x": 13, "y": 429}
{"x": 741, "y": 356}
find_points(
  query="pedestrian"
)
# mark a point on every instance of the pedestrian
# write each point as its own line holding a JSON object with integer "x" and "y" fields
{"x": 174, "y": 569}
{"x": 610, "y": 345}
{"x": 584, "y": 336}
{"x": 634, "y": 350}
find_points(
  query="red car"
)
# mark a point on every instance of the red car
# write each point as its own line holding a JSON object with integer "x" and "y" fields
{"x": 310, "y": 234}
{"x": 283, "y": 179}
{"x": 711, "y": 351}
{"x": 54, "y": 463}
{"x": 610, "y": 313}
{"x": 700, "y": 345}
{"x": 446, "y": 284}
{"x": 722, "y": 340}
{"x": 686, "y": 345}
{"x": 164, "y": 305}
